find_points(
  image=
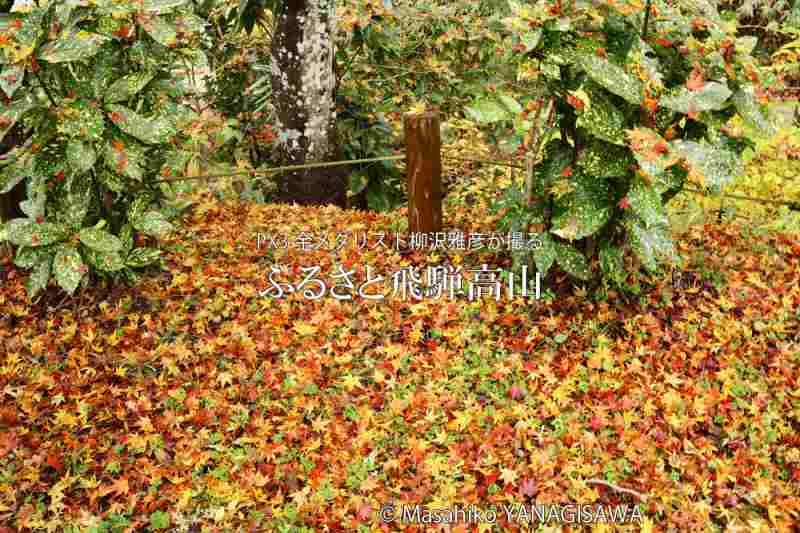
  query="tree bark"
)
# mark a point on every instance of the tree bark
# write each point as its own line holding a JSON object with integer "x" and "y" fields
{"x": 303, "y": 85}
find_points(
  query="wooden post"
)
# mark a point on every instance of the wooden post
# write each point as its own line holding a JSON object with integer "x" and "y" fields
{"x": 424, "y": 171}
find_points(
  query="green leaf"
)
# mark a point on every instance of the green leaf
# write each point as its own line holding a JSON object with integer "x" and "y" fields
{"x": 531, "y": 39}
{"x": 127, "y": 86}
{"x": 646, "y": 203}
{"x": 28, "y": 257}
{"x": 161, "y": 31}
{"x": 162, "y": 6}
{"x": 138, "y": 206}
{"x": 38, "y": 278}
{"x": 510, "y": 104}
{"x": 26, "y": 232}
{"x": 152, "y": 223}
{"x": 572, "y": 261}
{"x": 716, "y": 166}
{"x": 358, "y": 182}
{"x": 612, "y": 263}
{"x": 100, "y": 240}
{"x": 150, "y": 131}
{"x": 126, "y": 237}
{"x": 546, "y": 254}
{"x": 159, "y": 519}
{"x": 612, "y": 77}
{"x": 124, "y": 160}
{"x": 582, "y": 212}
{"x": 650, "y": 244}
{"x": 713, "y": 96}
{"x": 558, "y": 155}
{"x": 11, "y": 79}
{"x": 11, "y": 113}
{"x": 68, "y": 267}
{"x": 81, "y": 156}
{"x": 601, "y": 118}
{"x": 601, "y": 159}
{"x": 73, "y": 206}
{"x": 105, "y": 261}
{"x": 486, "y": 112}
{"x": 74, "y": 47}
{"x": 112, "y": 180}
{"x": 139, "y": 257}
{"x": 84, "y": 122}
{"x": 748, "y": 108}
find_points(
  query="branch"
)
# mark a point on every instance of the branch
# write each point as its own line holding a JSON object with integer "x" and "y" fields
{"x": 617, "y": 488}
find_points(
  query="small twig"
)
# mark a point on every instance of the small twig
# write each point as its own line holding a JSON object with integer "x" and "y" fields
{"x": 646, "y": 19}
{"x": 617, "y": 488}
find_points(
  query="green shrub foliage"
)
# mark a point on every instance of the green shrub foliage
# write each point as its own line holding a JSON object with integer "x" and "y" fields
{"x": 637, "y": 114}
{"x": 93, "y": 82}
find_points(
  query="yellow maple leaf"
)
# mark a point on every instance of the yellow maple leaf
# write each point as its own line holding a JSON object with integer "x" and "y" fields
{"x": 508, "y": 475}
{"x": 304, "y": 328}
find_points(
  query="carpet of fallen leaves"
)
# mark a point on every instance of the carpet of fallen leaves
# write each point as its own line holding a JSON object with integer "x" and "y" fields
{"x": 192, "y": 403}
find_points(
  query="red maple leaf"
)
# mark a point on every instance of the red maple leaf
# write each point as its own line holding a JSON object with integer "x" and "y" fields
{"x": 696, "y": 80}
{"x": 661, "y": 148}
{"x": 624, "y": 203}
{"x": 577, "y": 103}
{"x": 567, "y": 172}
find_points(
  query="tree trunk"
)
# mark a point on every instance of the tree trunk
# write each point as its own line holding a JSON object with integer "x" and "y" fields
{"x": 303, "y": 85}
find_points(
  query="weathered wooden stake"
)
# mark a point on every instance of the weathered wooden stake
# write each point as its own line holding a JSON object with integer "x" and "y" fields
{"x": 424, "y": 171}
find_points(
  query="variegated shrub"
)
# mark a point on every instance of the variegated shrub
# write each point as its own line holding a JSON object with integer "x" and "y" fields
{"x": 92, "y": 81}
{"x": 640, "y": 109}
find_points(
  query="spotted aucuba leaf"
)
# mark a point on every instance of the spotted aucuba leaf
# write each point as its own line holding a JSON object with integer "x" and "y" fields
{"x": 27, "y": 232}
{"x": 82, "y": 120}
{"x": 161, "y": 6}
{"x": 161, "y": 30}
{"x": 546, "y": 254}
{"x": 148, "y": 130}
{"x": 127, "y": 86}
{"x": 558, "y": 155}
{"x": 601, "y": 118}
{"x": 68, "y": 267}
{"x": 487, "y": 111}
{"x": 40, "y": 275}
{"x": 709, "y": 165}
{"x": 152, "y": 223}
{"x": 105, "y": 261}
{"x": 140, "y": 257}
{"x": 73, "y": 206}
{"x": 646, "y": 64}
{"x": 652, "y": 152}
{"x": 27, "y": 30}
{"x": 126, "y": 238}
{"x": 748, "y": 108}
{"x": 650, "y": 244}
{"x": 713, "y": 96}
{"x": 584, "y": 211}
{"x": 612, "y": 263}
{"x": 81, "y": 155}
{"x": 100, "y": 240}
{"x": 646, "y": 202}
{"x": 11, "y": 79}
{"x": 15, "y": 173}
{"x": 72, "y": 47}
{"x": 122, "y": 159}
{"x": 113, "y": 181}
{"x": 138, "y": 206}
{"x": 37, "y": 197}
{"x": 603, "y": 160}
{"x": 612, "y": 77}
{"x": 10, "y": 113}
{"x": 28, "y": 257}
{"x": 572, "y": 261}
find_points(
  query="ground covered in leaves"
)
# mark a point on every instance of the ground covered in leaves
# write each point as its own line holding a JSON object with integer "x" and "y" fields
{"x": 192, "y": 403}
